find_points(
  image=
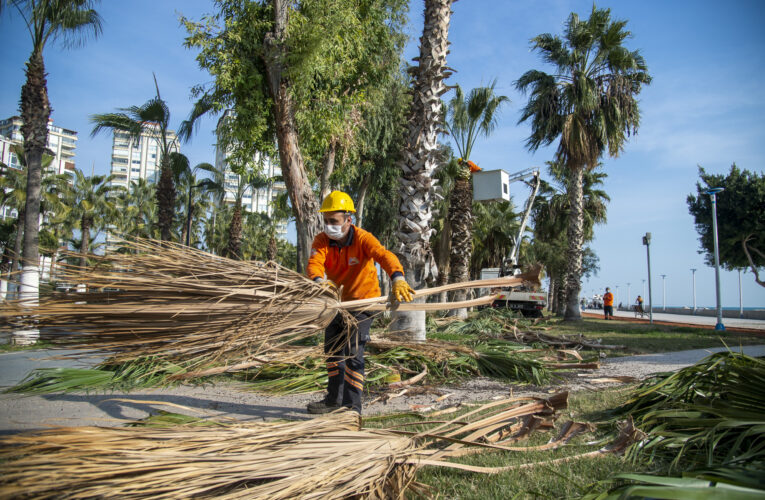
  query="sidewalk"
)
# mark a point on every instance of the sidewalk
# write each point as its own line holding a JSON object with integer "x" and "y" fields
{"x": 689, "y": 319}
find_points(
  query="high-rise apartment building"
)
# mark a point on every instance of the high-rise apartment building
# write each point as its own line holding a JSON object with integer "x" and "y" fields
{"x": 139, "y": 159}
{"x": 61, "y": 142}
{"x": 10, "y": 160}
{"x": 253, "y": 200}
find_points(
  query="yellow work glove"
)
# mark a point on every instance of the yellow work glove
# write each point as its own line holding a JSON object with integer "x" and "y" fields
{"x": 402, "y": 291}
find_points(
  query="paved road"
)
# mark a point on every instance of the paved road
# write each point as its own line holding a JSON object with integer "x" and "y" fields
{"x": 755, "y": 324}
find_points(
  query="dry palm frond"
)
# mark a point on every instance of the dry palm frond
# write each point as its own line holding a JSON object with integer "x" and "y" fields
{"x": 327, "y": 457}
{"x": 320, "y": 458}
{"x": 166, "y": 299}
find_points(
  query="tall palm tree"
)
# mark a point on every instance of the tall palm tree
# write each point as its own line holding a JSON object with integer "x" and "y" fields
{"x": 153, "y": 118}
{"x": 419, "y": 160}
{"x": 91, "y": 207}
{"x": 467, "y": 117}
{"x": 589, "y": 105}
{"x": 552, "y": 215}
{"x": 67, "y": 21}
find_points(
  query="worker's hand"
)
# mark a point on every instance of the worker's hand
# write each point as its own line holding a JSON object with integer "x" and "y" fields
{"x": 328, "y": 284}
{"x": 401, "y": 290}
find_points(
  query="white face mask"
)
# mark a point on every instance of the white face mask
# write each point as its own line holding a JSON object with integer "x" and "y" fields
{"x": 334, "y": 232}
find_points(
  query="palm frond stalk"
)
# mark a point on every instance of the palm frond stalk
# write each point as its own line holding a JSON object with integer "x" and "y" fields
{"x": 165, "y": 299}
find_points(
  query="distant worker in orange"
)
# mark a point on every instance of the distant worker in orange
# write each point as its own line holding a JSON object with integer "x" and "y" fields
{"x": 608, "y": 304}
{"x": 344, "y": 256}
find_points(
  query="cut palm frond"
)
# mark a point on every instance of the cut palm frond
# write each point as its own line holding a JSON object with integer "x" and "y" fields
{"x": 320, "y": 458}
{"x": 690, "y": 486}
{"x": 708, "y": 414}
{"x": 329, "y": 457}
{"x": 159, "y": 298}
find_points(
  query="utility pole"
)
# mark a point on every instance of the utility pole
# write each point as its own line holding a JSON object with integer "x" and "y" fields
{"x": 647, "y": 243}
{"x": 713, "y": 193}
{"x": 663, "y": 292}
{"x": 694, "y": 290}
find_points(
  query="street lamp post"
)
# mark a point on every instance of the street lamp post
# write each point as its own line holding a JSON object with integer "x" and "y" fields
{"x": 629, "y": 299}
{"x": 663, "y": 292}
{"x": 740, "y": 297}
{"x": 617, "y": 297}
{"x": 647, "y": 243}
{"x": 644, "y": 295}
{"x": 713, "y": 193}
{"x": 693, "y": 271}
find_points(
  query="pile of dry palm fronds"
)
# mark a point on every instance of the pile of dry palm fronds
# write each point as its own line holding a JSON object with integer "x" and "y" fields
{"x": 327, "y": 457}
{"x": 320, "y": 458}
{"x": 159, "y": 298}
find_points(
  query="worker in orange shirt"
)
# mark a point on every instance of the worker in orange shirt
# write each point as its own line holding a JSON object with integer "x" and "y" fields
{"x": 344, "y": 256}
{"x": 608, "y": 304}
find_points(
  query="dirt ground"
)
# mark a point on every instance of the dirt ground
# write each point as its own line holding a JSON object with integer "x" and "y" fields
{"x": 230, "y": 400}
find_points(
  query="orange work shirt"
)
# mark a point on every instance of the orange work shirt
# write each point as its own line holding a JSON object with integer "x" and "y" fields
{"x": 608, "y": 299}
{"x": 350, "y": 263}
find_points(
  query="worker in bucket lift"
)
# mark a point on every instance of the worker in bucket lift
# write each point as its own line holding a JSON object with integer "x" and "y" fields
{"x": 344, "y": 256}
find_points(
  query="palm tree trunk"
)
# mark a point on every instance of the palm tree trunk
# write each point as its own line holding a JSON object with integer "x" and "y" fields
{"x": 18, "y": 241}
{"x": 419, "y": 160}
{"x": 551, "y": 294}
{"x": 361, "y": 198}
{"x": 575, "y": 241}
{"x": 461, "y": 220}
{"x": 5, "y": 268}
{"x": 85, "y": 242}
{"x": 442, "y": 250}
{"x": 165, "y": 200}
{"x": 304, "y": 204}
{"x": 35, "y": 111}
{"x": 234, "y": 249}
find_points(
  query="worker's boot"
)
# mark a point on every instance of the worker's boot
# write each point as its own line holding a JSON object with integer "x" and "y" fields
{"x": 323, "y": 406}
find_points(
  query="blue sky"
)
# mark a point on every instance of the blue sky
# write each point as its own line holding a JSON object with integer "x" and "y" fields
{"x": 704, "y": 107}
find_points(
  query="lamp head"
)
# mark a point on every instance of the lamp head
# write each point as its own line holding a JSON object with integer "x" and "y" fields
{"x": 713, "y": 191}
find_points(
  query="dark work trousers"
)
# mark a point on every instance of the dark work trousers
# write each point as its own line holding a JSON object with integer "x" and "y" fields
{"x": 345, "y": 363}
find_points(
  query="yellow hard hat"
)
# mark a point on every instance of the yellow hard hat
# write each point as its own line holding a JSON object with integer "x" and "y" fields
{"x": 337, "y": 201}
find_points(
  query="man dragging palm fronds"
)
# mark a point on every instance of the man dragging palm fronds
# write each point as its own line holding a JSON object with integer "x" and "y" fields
{"x": 345, "y": 254}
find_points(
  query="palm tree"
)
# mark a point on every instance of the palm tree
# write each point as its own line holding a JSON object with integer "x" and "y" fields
{"x": 136, "y": 209}
{"x": 91, "y": 206}
{"x": 589, "y": 104}
{"x": 185, "y": 178}
{"x": 467, "y": 117}
{"x": 152, "y": 118}
{"x": 47, "y": 21}
{"x": 13, "y": 193}
{"x": 552, "y": 214}
{"x": 419, "y": 160}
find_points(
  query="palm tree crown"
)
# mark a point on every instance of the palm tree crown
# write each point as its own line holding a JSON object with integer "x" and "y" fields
{"x": 590, "y": 102}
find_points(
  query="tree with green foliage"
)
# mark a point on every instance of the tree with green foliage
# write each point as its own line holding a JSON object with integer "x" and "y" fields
{"x": 589, "y": 105}
{"x": 740, "y": 219}
{"x": 283, "y": 65}
{"x": 91, "y": 207}
{"x": 467, "y": 118}
{"x": 48, "y": 21}
{"x": 151, "y": 118}
{"x": 136, "y": 209}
